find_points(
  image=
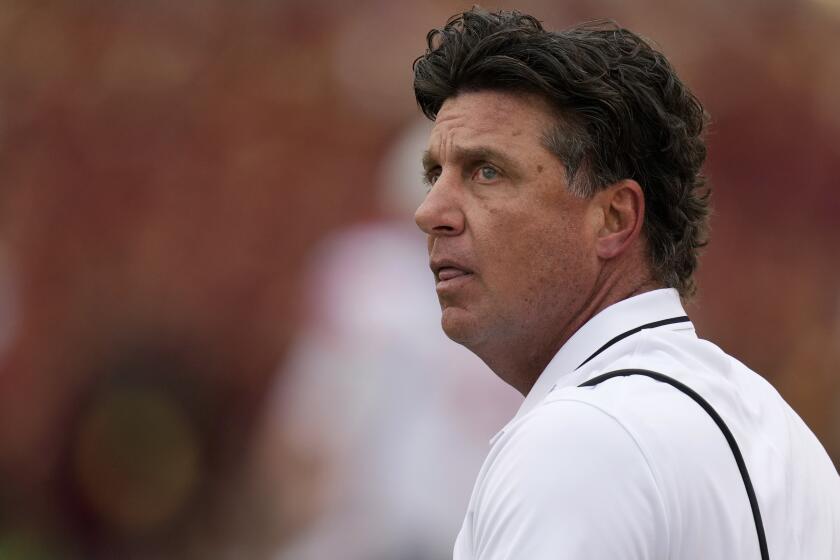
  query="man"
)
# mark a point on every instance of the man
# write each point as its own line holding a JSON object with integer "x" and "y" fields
{"x": 564, "y": 216}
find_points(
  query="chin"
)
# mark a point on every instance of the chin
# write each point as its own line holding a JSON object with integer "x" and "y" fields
{"x": 459, "y": 325}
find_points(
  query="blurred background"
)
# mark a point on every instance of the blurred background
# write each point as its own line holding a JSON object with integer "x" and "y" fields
{"x": 218, "y": 334}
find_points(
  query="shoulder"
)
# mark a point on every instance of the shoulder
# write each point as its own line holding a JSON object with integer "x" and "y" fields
{"x": 560, "y": 478}
{"x": 576, "y": 447}
{"x": 580, "y": 435}
{"x": 570, "y": 420}
{"x": 670, "y": 432}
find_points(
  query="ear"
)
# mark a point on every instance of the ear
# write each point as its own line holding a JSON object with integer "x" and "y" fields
{"x": 623, "y": 207}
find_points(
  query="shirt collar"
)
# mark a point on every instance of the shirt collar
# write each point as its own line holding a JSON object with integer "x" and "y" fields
{"x": 612, "y": 321}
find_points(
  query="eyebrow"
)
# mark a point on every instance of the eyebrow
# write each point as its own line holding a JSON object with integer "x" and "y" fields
{"x": 478, "y": 153}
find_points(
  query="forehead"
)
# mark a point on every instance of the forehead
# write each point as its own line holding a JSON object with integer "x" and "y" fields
{"x": 489, "y": 116}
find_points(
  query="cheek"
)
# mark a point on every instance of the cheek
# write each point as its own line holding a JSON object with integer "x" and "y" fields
{"x": 541, "y": 252}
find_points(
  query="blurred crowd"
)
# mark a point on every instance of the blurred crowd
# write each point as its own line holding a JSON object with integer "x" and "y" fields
{"x": 218, "y": 334}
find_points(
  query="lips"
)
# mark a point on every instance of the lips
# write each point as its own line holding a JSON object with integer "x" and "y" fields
{"x": 448, "y": 271}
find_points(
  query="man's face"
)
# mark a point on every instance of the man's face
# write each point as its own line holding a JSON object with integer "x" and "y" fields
{"x": 511, "y": 249}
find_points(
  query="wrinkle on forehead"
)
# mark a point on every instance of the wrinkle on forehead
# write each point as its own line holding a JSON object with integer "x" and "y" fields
{"x": 474, "y": 120}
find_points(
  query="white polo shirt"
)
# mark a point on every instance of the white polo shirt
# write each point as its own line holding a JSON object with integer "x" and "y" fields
{"x": 635, "y": 469}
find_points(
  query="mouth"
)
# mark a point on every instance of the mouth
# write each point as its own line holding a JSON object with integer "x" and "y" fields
{"x": 449, "y": 274}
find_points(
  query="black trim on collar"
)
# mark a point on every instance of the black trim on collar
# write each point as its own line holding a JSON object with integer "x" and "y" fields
{"x": 622, "y": 336}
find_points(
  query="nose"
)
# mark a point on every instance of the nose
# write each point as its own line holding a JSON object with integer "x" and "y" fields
{"x": 441, "y": 213}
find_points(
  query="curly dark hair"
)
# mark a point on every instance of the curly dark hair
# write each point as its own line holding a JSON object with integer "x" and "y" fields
{"x": 622, "y": 114}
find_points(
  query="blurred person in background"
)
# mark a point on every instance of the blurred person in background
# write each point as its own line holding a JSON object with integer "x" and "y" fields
{"x": 564, "y": 218}
{"x": 399, "y": 413}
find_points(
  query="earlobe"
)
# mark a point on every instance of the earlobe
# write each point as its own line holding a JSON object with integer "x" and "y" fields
{"x": 623, "y": 207}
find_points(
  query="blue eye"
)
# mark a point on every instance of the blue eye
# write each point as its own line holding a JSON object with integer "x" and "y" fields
{"x": 487, "y": 173}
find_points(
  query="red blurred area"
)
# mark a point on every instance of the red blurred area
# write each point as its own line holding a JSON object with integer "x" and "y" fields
{"x": 166, "y": 169}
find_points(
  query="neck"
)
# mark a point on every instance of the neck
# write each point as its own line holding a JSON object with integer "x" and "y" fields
{"x": 520, "y": 362}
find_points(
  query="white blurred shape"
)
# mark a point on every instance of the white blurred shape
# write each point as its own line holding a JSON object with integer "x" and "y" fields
{"x": 401, "y": 174}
